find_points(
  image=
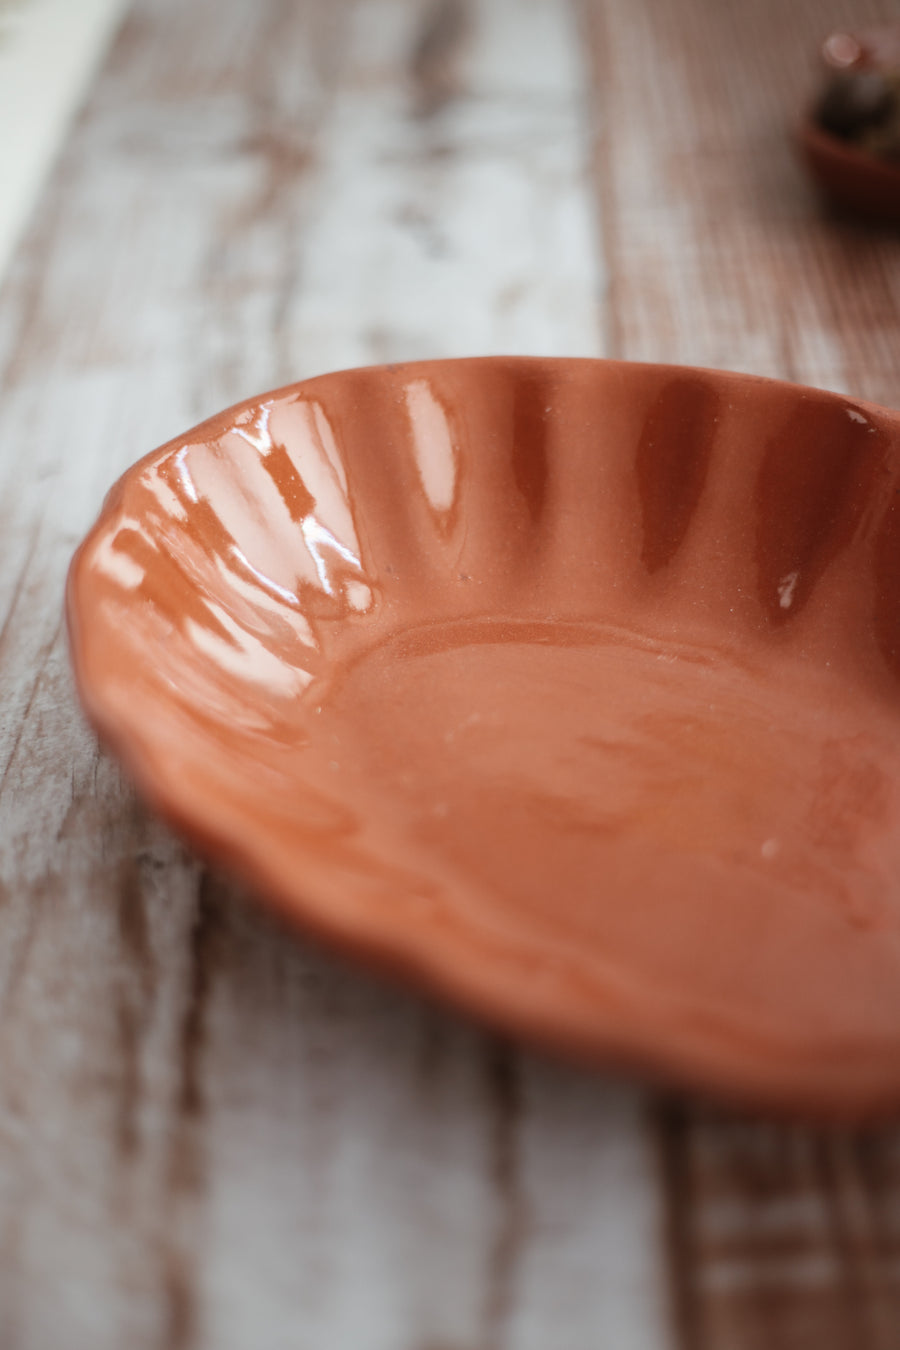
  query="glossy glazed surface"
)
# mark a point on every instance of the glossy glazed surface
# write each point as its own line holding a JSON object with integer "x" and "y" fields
{"x": 567, "y": 688}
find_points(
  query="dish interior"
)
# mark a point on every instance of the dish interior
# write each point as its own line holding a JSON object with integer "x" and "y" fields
{"x": 569, "y": 688}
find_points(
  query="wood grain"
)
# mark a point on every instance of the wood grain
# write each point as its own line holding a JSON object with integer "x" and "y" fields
{"x": 212, "y": 1135}
{"x": 718, "y": 251}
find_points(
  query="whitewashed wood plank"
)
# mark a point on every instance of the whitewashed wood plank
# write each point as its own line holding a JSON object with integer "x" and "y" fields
{"x": 211, "y": 1135}
{"x": 450, "y": 215}
{"x": 49, "y": 52}
{"x": 591, "y": 1203}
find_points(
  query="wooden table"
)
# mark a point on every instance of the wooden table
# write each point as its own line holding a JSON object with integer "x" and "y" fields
{"x": 212, "y": 1135}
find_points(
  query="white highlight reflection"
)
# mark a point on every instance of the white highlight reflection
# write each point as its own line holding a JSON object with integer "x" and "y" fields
{"x": 266, "y": 582}
{"x": 786, "y": 588}
{"x": 258, "y": 433}
{"x": 432, "y": 445}
{"x": 184, "y": 474}
{"x": 315, "y": 535}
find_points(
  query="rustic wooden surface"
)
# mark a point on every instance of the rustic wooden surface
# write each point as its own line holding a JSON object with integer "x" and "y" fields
{"x": 49, "y": 53}
{"x": 212, "y": 1135}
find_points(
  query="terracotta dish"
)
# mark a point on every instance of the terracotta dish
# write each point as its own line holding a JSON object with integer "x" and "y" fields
{"x": 850, "y": 138}
{"x": 567, "y": 688}
{"x": 849, "y": 177}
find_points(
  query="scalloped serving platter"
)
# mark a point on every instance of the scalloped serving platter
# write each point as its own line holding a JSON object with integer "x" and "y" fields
{"x": 567, "y": 689}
